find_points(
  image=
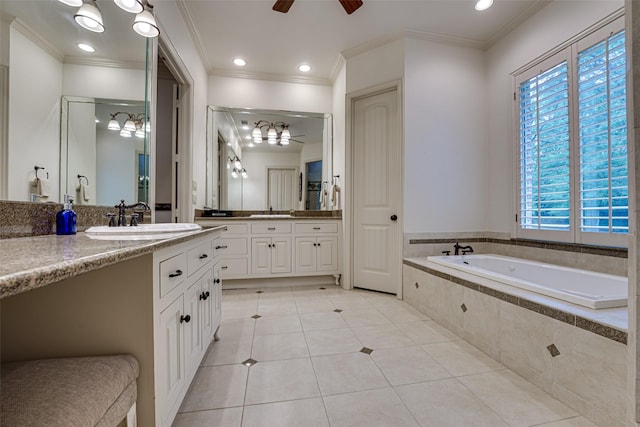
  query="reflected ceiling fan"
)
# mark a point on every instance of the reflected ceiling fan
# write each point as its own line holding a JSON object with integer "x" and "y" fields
{"x": 350, "y": 6}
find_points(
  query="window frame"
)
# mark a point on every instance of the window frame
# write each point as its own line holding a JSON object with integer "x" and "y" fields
{"x": 569, "y": 53}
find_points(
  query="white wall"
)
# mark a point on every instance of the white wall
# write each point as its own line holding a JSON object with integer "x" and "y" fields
{"x": 103, "y": 82}
{"x": 376, "y": 66}
{"x": 267, "y": 95}
{"x": 35, "y": 88}
{"x": 254, "y": 188}
{"x": 550, "y": 27}
{"x": 116, "y": 168}
{"x": 173, "y": 28}
{"x": 445, "y": 143}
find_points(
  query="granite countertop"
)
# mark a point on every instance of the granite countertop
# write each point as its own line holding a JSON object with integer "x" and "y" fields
{"x": 28, "y": 263}
{"x": 217, "y": 219}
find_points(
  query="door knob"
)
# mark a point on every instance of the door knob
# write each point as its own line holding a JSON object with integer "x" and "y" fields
{"x": 394, "y": 217}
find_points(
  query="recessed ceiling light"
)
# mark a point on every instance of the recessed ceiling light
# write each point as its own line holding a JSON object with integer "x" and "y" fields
{"x": 305, "y": 68}
{"x": 239, "y": 62}
{"x": 248, "y": 137}
{"x": 483, "y": 4}
{"x": 86, "y": 47}
{"x": 250, "y": 145}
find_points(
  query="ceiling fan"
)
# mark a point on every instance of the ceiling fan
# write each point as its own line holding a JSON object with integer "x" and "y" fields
{"x": 350, "y": 6}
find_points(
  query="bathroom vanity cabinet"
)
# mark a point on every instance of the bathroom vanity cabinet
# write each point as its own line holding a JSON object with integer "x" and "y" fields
{"x": 278, "y": 248}
{"x": 157, "y": 300}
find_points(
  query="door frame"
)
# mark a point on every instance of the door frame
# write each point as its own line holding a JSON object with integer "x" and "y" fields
{"x": 349, "y": 216}
{"x": 163, "y": 46}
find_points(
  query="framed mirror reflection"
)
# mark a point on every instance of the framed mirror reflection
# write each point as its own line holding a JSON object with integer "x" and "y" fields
{"x": 262, "y": 160}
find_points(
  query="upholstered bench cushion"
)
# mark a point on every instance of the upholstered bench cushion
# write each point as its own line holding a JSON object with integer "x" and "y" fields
{"x": 79, "y": 391}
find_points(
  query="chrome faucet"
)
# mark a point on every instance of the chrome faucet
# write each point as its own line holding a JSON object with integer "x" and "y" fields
{"x": 122, "y": 211}
{"x": 465, "y": 249}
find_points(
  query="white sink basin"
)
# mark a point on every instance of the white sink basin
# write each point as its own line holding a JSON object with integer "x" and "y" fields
{"x": 270, "y": 216}
{"x": 141, "y": 232}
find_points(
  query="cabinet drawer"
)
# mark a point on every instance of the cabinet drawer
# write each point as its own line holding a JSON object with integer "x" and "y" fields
{"x": 317, "y": 227}
{"x": 231, "y": 246}
{"x": 172, "y": 272}
{"x": 269, "y": 227}
{"x": 236, "y": 229}
{"x": 234, "y": 267}
{"x": 199, "y": 256}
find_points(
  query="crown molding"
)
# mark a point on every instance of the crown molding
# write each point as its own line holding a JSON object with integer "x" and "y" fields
{"x": 97, "y": 62}
{"x": 515, "y": 22}
{"x": 444, "y": 38}
{"x": 372, "y": 44}
{"x": 191, "y": 28}
{"x": 337, "y": 67}
{"x": 36, "y": 38}
{"x": 270, "y": 77}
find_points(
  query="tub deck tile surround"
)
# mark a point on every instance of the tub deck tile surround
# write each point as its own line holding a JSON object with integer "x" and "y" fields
{"x": 28, "y": 263}
{"x": 536, "y": 306}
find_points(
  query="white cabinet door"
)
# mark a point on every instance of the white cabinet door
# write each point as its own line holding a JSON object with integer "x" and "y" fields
{"x": 207, "y": 300}
{"x": 327, "y": 254}
{"x": 305, "y": 254}
{"x": 281, "y": 255}
{"x": 261, "y": 255}
{"x": 171, "y": 360}
{"x": 217, "y": 291}
{"x": 192, "y": 327}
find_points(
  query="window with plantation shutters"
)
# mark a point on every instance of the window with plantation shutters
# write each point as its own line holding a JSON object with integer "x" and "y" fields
{"x": 544, "y": 150}
{"x": 602, "y": 116}
{"x": 571, "y": 112}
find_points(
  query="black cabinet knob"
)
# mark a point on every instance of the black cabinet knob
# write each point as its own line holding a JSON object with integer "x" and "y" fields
{"x": 203, "y": 256}
{"x": 176, "y": 274}
{"x": 216, "y": 280}
{"x": 207, "y": 294}
{"x": 185, "y": 319}
{"x": 394, "y": 217}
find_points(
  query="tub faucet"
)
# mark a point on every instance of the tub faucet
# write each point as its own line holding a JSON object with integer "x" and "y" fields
{"x": 465, "y": 249}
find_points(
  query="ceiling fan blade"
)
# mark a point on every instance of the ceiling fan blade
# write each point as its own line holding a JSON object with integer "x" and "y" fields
{"x": 282, "y": 5}
{"x": 350, "y": 6}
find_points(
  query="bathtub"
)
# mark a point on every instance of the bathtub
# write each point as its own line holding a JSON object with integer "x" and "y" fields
{"x": 585, "y": 288}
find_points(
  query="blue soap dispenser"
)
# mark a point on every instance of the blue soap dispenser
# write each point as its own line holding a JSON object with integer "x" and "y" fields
{"x": 66, "y": 218}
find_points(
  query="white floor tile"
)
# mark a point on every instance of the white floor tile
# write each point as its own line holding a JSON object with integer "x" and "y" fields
{"x": 461, "y": 358}
{"x": 230, "y": 417}
{"x": 281, "y": 380}
{"x": 408, "y": 365}
{"x": 237, "y": 329}
{"x": 344, "y": 373}
{"x": 315, "y": 305}
{"x": 397, "y": 313}
{"x": 293, "y": 413}
{"x": 570, "y": 422}
{"x": 278, "y": 325}
{"x": 427, "y": 332}
{"x": 227, "y": 352}
{"x": 517, "y": 401}
{"x": 324, "y": 320}
{"x": 372, "y": 408}
{"x": 332, "y": 341}
{"x": 364, "y": 317}
{"x": 447, "y": 403}
{"x": 382, "y": 336}
{"x": 216, "y": 387}
{"x": 279, "y": 347}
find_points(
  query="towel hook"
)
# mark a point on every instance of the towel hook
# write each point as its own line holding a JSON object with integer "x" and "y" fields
{"x": 37, "y": 168}
{"x": 80, "y": 179}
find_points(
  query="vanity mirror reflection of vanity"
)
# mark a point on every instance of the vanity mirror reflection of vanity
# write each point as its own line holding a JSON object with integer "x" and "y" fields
{"x": 245, "y": 171}
{"x": 48, "y": 84}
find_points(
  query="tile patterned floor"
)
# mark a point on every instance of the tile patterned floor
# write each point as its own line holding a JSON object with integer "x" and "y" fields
{"x": 329, "y": 357}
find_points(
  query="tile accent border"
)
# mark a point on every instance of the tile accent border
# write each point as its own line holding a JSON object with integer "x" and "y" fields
{"x": 540, "y": 244}
{"x": 562, "y": 316}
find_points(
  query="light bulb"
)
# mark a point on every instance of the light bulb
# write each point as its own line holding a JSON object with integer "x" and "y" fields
{"x": 257, "y": 133}
{"x": 244, "y": 173}
{"x": 129, "y": 125}
{"x": 237, "y": 163}
{"x": 272, "y": 133}
{"x": 145, "y": 24}
{"x": 125, "y": 133}
{"x": 483, "y": 4}
{"x": 257, "y": 140}
{"x": 113, "y": 125}
{"x": 89, "y": 17}
{"x": 272, "y": 141}
{"x": 131, "y": 6}
{"x": 284, "y": 141}
{"x": 234, "y": 173}
{"x": 140, "y": 132}
{"x": 286, "y": 134}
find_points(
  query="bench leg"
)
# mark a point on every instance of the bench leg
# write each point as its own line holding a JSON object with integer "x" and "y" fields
{"x": 132, "y": 420}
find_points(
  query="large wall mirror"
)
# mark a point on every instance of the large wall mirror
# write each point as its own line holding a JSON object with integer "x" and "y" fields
{"x": 60, "y": 100}
{"x": 260, "y": 160}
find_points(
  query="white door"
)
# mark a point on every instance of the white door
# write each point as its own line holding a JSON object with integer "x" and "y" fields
{"x": 376, "y": 192}
{"x": 281, "y": 189}
{"x": 192, "y": 327}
